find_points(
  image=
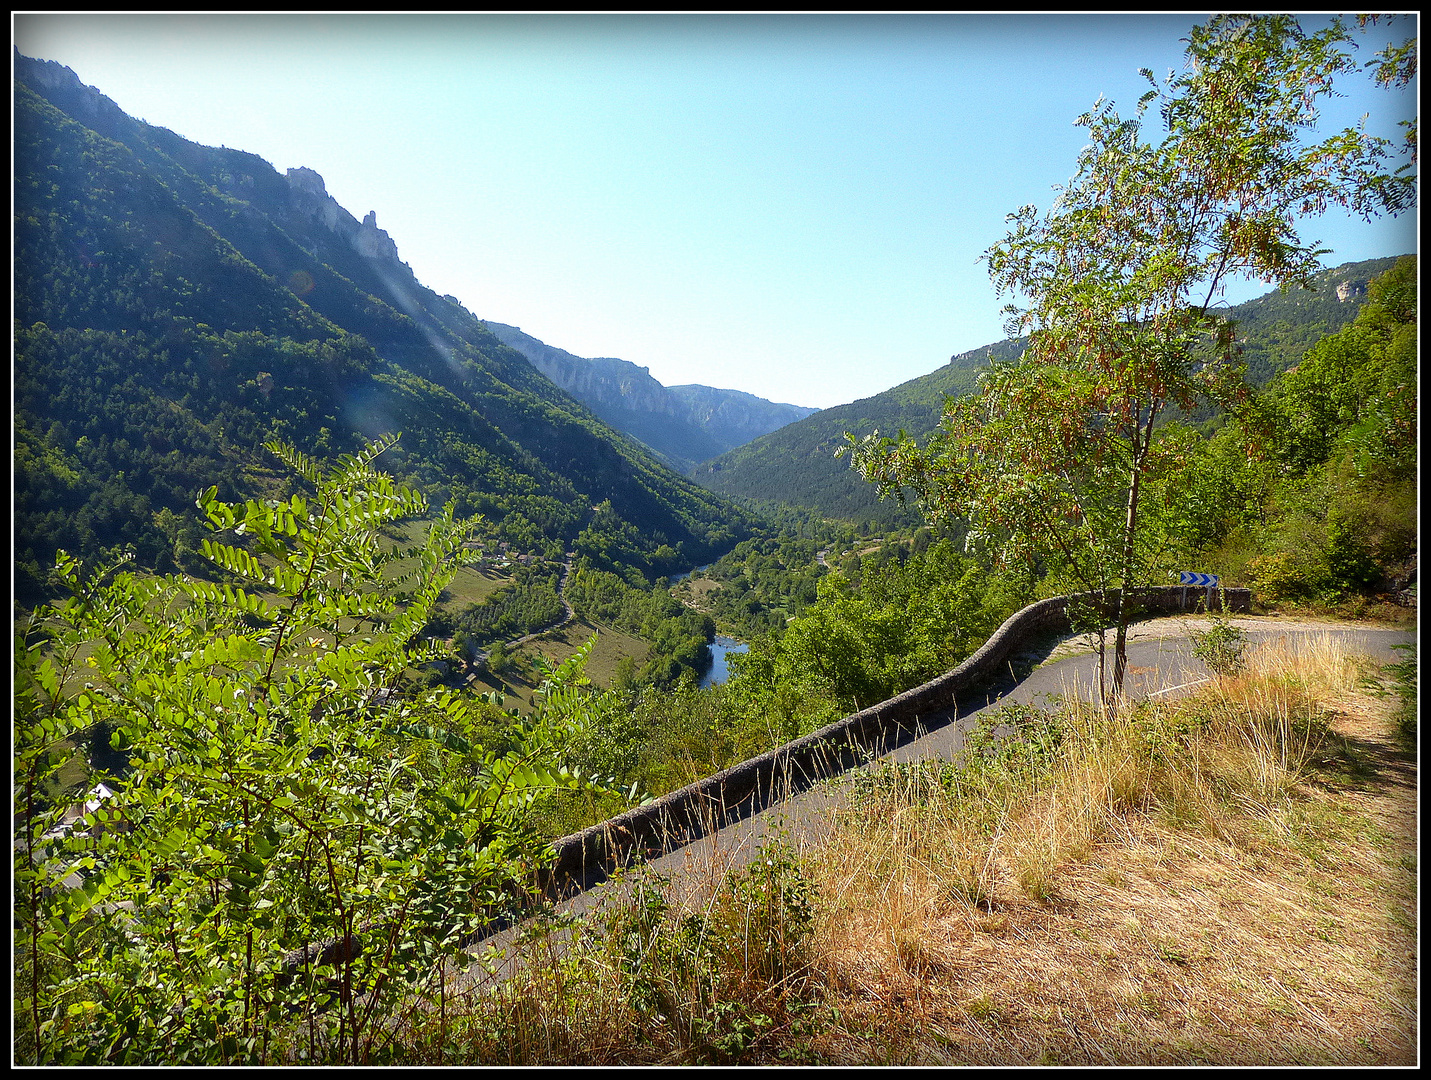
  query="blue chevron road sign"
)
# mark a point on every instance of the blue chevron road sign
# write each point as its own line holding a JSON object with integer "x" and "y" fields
{"x": 1187, "y": 577}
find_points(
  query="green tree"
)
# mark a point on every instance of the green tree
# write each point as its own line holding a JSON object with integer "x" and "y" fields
{"x": 1117, "y": 284}
{"x": 287, "y": 786}
{"x": 1357, "y": 388}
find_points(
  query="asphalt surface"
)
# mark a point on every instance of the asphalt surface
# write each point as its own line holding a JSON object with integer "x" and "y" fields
{"x": 1160, "y": 664}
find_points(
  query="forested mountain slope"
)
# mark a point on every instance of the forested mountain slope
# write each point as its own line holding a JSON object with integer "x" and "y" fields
{"x": 682, "y": 424}
{"x": 797, "y": 465}
{"x": 178, "y": 305}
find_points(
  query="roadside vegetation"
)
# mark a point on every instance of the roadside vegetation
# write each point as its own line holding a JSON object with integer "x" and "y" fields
{"x": 294, "y": 829}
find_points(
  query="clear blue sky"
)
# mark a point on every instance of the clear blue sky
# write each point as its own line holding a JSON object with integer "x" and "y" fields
{"x": 793, "y": 206}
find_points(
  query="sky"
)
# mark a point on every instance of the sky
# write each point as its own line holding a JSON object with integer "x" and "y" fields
{"x": 793, "y": 206}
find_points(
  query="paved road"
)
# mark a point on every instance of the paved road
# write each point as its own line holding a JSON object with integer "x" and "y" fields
{"x": 1160, "y": 662}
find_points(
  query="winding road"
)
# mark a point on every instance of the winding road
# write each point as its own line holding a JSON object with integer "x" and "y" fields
{"x": 1160, "y": 663}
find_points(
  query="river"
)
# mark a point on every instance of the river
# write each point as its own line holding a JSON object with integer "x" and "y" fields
{"x": 688, "y": 573}
{"x": 721, "y": 648}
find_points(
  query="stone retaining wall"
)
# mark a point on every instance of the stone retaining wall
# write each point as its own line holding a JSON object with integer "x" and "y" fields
{"x": 707, "y": 805}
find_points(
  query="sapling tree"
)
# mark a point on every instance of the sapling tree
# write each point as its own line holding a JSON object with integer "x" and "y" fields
{"x": 301, "y": 834}
{"x": 1116, "y": 286}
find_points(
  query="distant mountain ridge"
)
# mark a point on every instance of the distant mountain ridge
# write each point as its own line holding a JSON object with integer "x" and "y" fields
{"x": 682, "y": 424}
{"x": 797, "y": 463}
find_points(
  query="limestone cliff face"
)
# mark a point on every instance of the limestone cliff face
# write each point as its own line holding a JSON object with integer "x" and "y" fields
{"x": 372, "y": 242}
{"x": 602, "y": 380}
{"x": 683, "y": 424}
{"x": 86, "y": 101}
{"x": 1350, "y": 290}
{"x": 310, "y": 197}
{"x": 734, "y": 416}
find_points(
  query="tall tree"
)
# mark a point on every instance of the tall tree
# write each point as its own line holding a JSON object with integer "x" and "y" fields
{"x": 1115, "y": 286}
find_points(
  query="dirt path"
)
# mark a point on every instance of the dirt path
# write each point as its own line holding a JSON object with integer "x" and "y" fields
{"x": 565, "y": 603}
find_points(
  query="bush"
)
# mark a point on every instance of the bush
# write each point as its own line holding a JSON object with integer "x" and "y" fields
{"x": 1278, "y": 577}
{"x": 1220, "y": 648}
{"x": 297, "y": 840}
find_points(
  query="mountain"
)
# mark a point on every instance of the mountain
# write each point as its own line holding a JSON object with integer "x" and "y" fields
{"x": 682, "y": 424}
{"x": 796, "y": 464}
{"x": 1277, "y": 328}
{"x": 734, "y": 417}
{"x": 178, "y": 305}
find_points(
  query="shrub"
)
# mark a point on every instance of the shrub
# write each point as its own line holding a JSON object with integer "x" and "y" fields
{"x": 297, "y": 839}
{"x": 1220, "y": 648}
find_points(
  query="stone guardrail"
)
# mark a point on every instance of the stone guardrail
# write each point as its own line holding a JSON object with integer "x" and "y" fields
{"x": 678, "y": 818}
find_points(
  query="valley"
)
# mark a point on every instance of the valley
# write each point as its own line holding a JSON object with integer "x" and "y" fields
{"x": 356, "y": 602}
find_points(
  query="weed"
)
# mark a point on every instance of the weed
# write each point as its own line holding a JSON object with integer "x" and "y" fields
{"x": 984, "y": 1009}
{"x": 1171, "y": 951}
{"x": 1220, "y": 648}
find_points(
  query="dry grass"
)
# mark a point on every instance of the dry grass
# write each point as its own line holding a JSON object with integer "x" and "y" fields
{"x": 713, "y": 972}
{"x": 1199, "y": 882}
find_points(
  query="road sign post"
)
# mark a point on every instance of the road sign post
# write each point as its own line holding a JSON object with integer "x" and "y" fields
{"x": 1208, "y": 581}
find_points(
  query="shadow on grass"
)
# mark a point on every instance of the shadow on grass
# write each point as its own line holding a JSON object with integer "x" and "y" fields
{"x": 1354, "y": 763}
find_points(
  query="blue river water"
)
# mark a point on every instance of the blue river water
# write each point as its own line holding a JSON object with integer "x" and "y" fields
{"x": 688, "y": 573}
{"x": 721, "y": 648}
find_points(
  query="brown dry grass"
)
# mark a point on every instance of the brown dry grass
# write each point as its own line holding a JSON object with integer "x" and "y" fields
{"x": 1253, "y": 904}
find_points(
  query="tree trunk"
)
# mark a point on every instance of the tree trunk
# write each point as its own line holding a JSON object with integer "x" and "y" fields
{"x": 1141, "y": 441}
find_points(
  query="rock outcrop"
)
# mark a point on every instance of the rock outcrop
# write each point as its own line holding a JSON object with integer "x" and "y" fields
{"x": 310, "y": 197}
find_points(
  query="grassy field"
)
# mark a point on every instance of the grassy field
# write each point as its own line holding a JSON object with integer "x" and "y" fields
{"x": 695, "y": 593}
{"x": 1225, "y": 879}
{"x": 469, "y": 586}
{"x": 559, "y": 644}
